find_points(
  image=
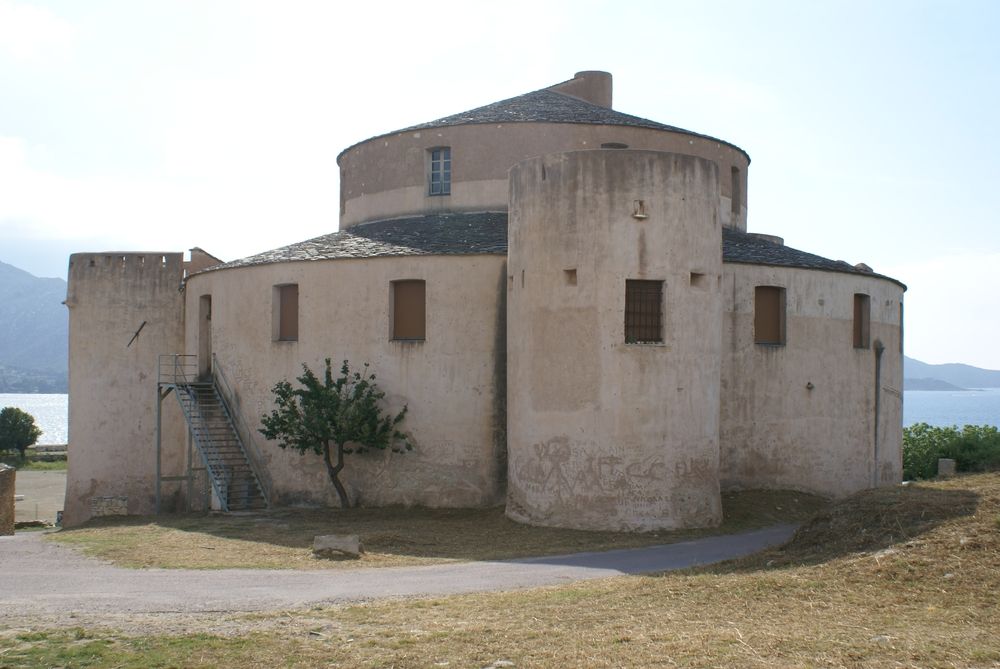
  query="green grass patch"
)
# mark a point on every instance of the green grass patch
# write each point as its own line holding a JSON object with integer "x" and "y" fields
{"x": 33, "y": 461}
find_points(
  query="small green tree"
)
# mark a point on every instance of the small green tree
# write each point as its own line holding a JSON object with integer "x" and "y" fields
{"x": 17, "y": 430}
{"x": 342, "y": 414}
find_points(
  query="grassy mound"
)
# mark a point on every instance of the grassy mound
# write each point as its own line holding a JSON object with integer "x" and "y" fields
{"x": 874, "y": 520}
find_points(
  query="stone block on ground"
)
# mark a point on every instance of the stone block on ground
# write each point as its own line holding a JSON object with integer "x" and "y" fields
{"x": 337, "y": 546}
{"x": 7, "y": 475}
{"x": 946, "y": 467}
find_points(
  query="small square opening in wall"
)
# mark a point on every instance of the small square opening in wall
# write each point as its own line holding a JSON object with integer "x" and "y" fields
{"x": 569, "y": 275}
{"x": 285, "y": 312}
{"x": 699, "y": 280}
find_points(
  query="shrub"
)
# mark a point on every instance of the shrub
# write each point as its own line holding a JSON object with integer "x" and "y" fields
{"x": 17, "y": 430}
{"x": 973, "y": 447}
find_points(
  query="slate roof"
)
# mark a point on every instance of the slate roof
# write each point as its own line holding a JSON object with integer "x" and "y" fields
{"x": 749, "y": 249}
{"x": 486, "y": 233}
{"x": 433, "y": 234}
{"x": 544, "y": 106}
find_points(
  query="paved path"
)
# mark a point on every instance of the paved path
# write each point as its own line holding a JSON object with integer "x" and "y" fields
{"x": 43, "y": 495}
{"x": 39, "y": 577}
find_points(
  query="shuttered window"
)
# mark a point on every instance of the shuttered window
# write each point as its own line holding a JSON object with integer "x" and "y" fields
{"x": 409, "y": 310}
{"x": 769, "y": 315}
{"x": 862, "y": 320}
{"x": 286, "y": 312}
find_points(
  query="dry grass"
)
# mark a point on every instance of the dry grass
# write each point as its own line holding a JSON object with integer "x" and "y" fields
{"x": 392, "y": 537}
{"x": 905, "y": 577}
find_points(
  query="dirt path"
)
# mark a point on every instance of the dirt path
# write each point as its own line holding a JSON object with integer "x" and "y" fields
{"x": 41, "y": 580}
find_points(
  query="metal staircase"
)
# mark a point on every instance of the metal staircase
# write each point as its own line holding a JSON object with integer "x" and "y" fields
{"x": 214, "y": 433}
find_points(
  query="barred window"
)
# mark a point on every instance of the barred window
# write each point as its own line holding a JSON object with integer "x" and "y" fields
{"x": 440, "y": 171}
{"x": 643, "y": 312}
{"x": 769, "y": 315}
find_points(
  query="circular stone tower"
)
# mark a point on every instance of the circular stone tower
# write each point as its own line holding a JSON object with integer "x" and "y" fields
{"x": 614, "y": 315}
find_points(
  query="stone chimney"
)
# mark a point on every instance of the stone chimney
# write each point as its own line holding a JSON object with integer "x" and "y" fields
{"x": 593, "y": 86}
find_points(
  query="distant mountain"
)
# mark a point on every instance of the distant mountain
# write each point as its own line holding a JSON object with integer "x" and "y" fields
{"x": 930, "y": 384}
{"x": 963, "y": 376}
{"x": 34, "y": 332}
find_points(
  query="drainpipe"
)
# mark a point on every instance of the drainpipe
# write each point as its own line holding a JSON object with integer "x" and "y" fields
{"x": 879, "y": 350}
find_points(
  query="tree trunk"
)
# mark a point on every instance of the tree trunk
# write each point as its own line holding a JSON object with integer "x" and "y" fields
{"x": 334, "y": 471}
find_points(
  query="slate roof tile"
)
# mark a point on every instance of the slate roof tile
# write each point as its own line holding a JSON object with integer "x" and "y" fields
{"x": 544, "y": 106}
{"x": 486, "y": 233}
{"x": 433, "y": 234}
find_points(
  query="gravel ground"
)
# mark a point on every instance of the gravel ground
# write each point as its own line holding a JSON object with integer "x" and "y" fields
{"x": 45, "y": 584}
{"x": 43, "y": 492}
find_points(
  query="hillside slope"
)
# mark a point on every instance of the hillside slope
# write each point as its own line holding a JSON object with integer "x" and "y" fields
{"x": 34, "y": 331}
{"x": 963, "y": 376}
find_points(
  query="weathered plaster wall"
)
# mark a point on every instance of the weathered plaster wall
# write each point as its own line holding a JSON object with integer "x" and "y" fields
{"x": 450, "y": 381}
{"x": 112, "y": 379}
{"x": 386, "y": 177}
{"x": 801, "y": 416}
{"x": 604, "y": 434}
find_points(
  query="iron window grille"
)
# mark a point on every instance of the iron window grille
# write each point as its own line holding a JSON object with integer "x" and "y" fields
{"x": 643, "y": 312}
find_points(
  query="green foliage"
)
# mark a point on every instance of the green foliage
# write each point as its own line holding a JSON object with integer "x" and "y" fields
{"x": 341, "y": 411}
{"x": 17, "y": 430}
{"x": 345, "y": 412}
{"x": 973, "y": 447}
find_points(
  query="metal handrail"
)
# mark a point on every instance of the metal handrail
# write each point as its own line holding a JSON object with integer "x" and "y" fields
{"x": 214, "y": 472}
{"x": 174, "y": 368}
{"x": 251, "y": 449}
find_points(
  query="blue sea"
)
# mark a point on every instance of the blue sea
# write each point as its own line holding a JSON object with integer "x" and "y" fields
{"x": 952, "y": 407}
{"x": 936, "y": 407}
{"x": 51, "y": 414}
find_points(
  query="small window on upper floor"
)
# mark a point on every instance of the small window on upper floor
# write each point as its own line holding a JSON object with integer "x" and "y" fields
{"x": 862, "y": 320}
{"x": 643, "y": 312}
{"x": 735, "y": 191}
{"x": 409, "y": 310}
{"x": 439, "y": 176}
{"x": 769, "y": 315}
{"x": 285, "y": 313}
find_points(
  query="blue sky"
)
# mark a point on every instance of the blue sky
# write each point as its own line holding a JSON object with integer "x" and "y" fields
{"x": 162, "y": 125}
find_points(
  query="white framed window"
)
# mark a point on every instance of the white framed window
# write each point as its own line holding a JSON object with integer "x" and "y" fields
{"x": 439, "y": 174}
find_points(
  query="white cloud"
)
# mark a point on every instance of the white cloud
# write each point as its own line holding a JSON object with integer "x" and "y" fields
{"x": 29, "y": 32}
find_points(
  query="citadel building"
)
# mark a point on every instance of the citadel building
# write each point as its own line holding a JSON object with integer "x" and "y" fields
{"x": 565, "y": 296}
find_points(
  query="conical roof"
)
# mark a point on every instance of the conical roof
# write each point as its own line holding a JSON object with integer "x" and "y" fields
{"x": 544, "y": 106}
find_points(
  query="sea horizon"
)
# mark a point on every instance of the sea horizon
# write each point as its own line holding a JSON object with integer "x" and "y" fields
{"x": 940, "y": 408}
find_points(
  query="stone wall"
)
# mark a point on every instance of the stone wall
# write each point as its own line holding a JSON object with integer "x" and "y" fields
{"x": 801, "y": 415}
{"x": 605, "y": 431}
{"x": 451, "y": 381}
{"x": 125, "y": 310}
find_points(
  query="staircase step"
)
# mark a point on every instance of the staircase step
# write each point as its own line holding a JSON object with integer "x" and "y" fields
{"x": 220, "y": 446}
